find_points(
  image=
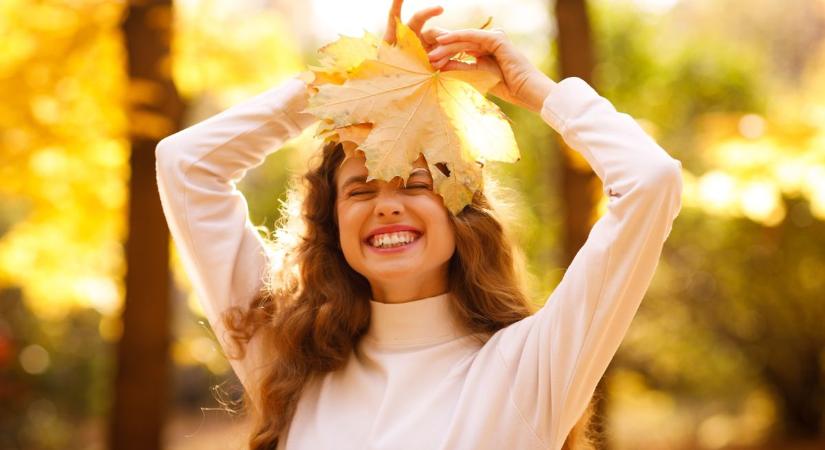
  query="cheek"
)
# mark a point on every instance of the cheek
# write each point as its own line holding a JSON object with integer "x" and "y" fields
{"x": 439, "y": 227}
{"x": 350, "y": 221}
{"x": 449, "y": 239}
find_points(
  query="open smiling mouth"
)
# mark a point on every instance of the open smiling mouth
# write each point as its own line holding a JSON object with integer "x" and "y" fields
{"x": 393, "y": 242}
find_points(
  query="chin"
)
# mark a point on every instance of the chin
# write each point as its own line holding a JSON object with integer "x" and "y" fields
{"x": 393, "y": 272}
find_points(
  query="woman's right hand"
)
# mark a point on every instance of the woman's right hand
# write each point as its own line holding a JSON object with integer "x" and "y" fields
{"x": 416, "y": 23}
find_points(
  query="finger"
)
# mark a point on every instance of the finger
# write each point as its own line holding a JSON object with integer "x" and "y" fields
{"x": 486, "y": 39}
{"x": 430, "y": 34}
{"x": 421, "y": 17}
{"x": 449, "y": 50}
{"x": 458, "y": 65}
{"x": 428, "y": 37}
{"x": 395, "y": 11}
{"x": 446, "y": 60}
{"x": 442, "y": 61}
{"x": 470, "y": 51}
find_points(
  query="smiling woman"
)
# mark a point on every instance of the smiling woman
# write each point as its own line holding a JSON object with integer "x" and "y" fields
{"x": 378, "y": 317}
{"x": 446, "y": 291}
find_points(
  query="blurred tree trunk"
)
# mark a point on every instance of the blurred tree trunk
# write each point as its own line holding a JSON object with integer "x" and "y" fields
{"x": 581, "y": 188}
{"x": 143, "y": 369}
{"x": 800, "y": 389}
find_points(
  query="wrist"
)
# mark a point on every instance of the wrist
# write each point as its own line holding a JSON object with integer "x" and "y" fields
{"x": 537, "y": 90}
{"x": 296, "y": 100}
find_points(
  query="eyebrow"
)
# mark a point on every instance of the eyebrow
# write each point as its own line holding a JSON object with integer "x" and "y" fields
{"x": 354, "y": 179}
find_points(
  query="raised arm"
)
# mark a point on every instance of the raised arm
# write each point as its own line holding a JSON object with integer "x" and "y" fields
{"x": 557, "y": 356}
{"x": 197, "y": 170}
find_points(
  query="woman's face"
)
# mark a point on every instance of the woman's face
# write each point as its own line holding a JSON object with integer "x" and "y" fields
{"x": 408, "y": 260}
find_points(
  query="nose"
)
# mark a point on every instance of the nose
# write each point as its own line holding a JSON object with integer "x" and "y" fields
{"x": 388, "y": 202}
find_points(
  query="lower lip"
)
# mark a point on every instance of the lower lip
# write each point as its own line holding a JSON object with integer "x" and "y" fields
{"x": 398, "y": 249}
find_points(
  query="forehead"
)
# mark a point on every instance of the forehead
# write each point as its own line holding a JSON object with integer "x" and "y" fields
{"x": 356, "y": 166}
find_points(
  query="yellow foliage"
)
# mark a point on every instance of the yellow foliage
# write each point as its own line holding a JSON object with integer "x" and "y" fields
{"x": 231, "y": 54}
{"x": 342, "y": 56}
{"x": 64, "y": 158}
{"x": 63, "y": 140}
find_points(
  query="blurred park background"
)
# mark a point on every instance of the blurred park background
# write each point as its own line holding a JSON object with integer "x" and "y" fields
{"x": 103, "y": 345}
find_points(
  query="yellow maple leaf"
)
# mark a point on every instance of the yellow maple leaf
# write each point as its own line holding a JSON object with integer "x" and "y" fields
{"x": 414, "y": 109}
{"x": 340, "y": 57}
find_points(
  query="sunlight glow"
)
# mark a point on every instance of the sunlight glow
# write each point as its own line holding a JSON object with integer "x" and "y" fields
{"x": 202, "y": 349}
{"x": 740, "y": 153}
{"x": 722, "y": 193}
{"x": 762, "y": 202}
{"x": 790, "y": 173}
{"x": 49, "y": 161}
{"x": 717, "y": 192}
{"x": 752, "y": 175}
{"x": 101, "y": 293}
{"x": 752, "y": 126}
{"x": 656, "y": 6}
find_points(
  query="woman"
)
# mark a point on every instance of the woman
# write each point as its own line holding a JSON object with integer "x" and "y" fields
{"x": 392, "y": 323}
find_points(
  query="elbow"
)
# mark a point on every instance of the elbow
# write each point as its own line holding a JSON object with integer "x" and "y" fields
{"x": 665, "y": 180}
{"x": 663, "y": 174}
{"x": 168, "y": 158}
{"x": 672, "y": 191}
{"x": 172, "y": 146}
{"x": 668, "y": 173}
{"x": 164, "y": 148}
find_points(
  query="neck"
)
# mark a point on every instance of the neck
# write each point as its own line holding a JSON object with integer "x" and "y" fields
{"x": 407, "y": 289}
{"x": 427, "y": 321}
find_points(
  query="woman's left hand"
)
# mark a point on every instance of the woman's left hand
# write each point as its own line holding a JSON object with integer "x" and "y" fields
{"x": 522, "y": 83}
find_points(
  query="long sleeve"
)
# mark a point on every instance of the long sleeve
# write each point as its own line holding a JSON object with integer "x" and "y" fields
{"x": 197, "y": 171}
{"x": 556, "y": 356}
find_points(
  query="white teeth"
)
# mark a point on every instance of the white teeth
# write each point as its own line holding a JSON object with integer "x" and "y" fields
{"x": 393, "y": 239}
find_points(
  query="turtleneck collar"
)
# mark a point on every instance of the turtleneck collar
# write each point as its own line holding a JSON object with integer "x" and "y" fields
{"x": 423, "y": 321}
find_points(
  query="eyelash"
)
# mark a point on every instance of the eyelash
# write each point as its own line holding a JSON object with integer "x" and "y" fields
{"x": 412, "y": 186}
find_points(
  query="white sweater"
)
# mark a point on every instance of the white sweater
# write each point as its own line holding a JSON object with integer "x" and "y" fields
{"x": 418, "y": 380}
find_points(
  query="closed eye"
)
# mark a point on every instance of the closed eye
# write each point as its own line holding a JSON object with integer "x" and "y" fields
{"x": 418, "y": 186}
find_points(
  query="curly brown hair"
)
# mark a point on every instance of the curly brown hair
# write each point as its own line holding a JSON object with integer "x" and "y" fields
{"x": 315, "y": 307}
